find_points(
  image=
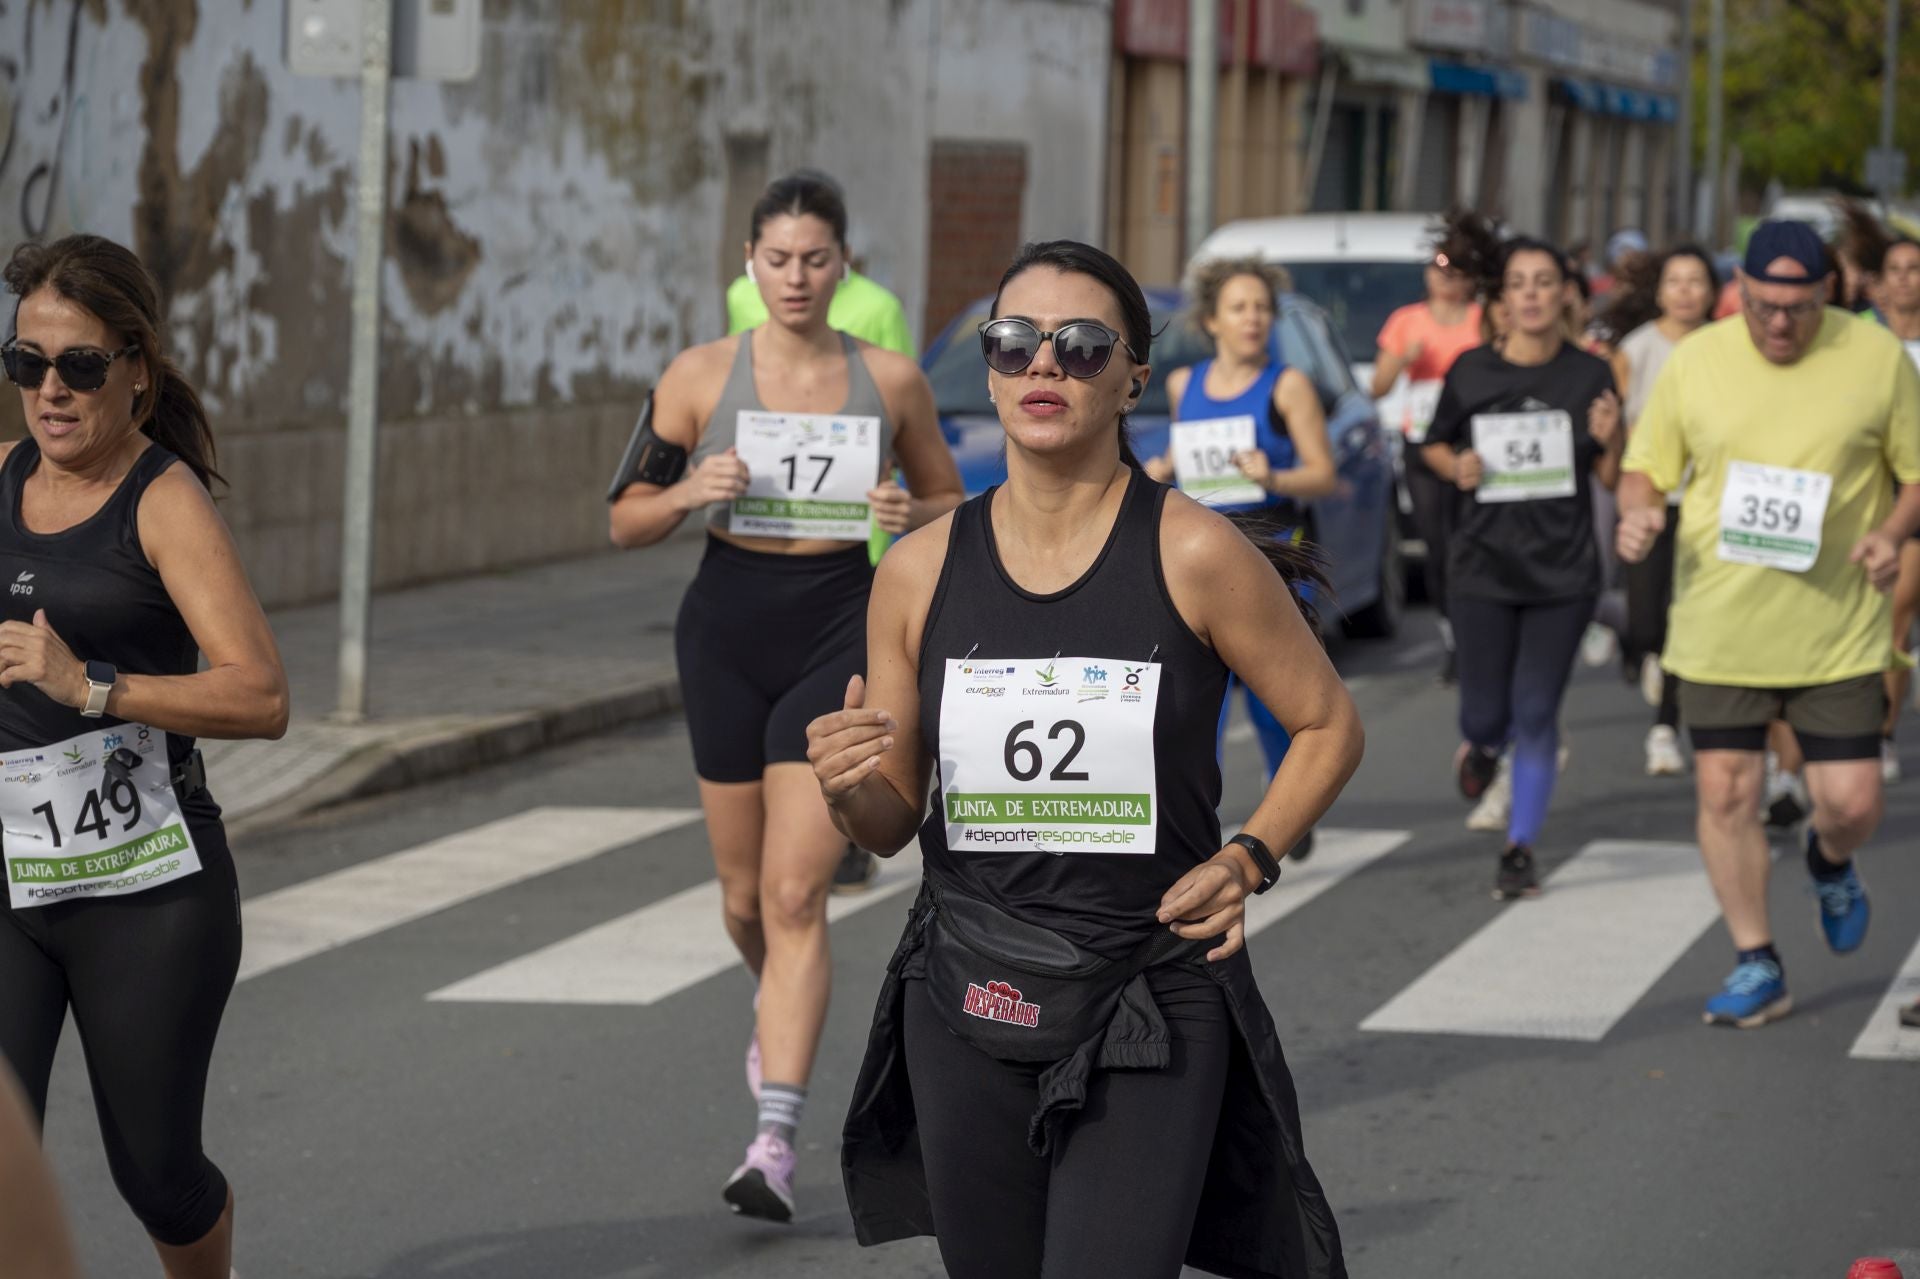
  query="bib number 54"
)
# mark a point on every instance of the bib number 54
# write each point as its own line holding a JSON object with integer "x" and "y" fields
{"x": 1024, "y": 760}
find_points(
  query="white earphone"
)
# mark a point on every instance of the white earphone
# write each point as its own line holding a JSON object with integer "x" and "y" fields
{"x": 750, "y": 275}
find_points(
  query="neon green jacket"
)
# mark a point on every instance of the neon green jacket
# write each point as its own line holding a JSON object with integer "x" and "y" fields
{"x": 866, "y": 310}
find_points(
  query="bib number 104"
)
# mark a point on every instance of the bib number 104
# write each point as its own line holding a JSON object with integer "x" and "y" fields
{"x": 93, "y": 820}
{"x": 1024, "y": 759}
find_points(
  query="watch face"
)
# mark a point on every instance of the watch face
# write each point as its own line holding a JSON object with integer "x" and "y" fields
{"x": 101, "y": 673}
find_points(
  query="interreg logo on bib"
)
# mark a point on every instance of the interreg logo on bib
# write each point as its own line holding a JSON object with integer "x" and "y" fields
{"x": 985, "y": 681}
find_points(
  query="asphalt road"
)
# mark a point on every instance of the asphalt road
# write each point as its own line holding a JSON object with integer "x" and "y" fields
{"x": 507, "y": 1129}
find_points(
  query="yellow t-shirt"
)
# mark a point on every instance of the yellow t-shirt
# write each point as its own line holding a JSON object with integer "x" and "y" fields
{"x": 1849, "y": 409}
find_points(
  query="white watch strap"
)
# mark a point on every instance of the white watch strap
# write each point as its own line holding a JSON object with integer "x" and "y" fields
{"x": 97, "y": 695}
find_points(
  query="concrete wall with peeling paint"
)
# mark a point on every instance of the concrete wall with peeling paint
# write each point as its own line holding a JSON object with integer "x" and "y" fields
{"x": 555, "y": 229}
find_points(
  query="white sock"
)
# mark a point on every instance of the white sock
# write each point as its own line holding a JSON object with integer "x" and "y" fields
{"x": 780, "y": 1107}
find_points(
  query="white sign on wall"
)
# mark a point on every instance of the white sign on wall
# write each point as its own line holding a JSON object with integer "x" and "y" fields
{"x": 432, "y": 39}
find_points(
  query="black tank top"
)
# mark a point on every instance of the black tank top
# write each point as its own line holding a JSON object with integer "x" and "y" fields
{"x": 102, "y": 597}
{"x": 1119, "y": 610}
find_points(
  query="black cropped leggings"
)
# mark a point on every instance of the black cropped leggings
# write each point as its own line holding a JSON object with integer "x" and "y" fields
{"x": 147, "y": 976}
{"x": 1116, "y": 1197}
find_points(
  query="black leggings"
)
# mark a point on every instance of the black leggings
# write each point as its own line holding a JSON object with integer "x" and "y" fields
{"x": 1649, "y": 595}
{"x": 765, "y": 645}
{"x": 1116, "y": 1197}
{"x": 1433, "y": 500}
{"x": 147, "y": 976}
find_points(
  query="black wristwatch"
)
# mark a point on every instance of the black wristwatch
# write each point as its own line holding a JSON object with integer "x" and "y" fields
{"x": 1263, "y": 859}
{"x": 100, "y": 678}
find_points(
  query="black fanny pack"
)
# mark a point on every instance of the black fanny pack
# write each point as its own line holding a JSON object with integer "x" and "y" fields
{"x": 1021, "y": 992}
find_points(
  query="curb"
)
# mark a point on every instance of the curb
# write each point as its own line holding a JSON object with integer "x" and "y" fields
{"x": 384, "y": 767}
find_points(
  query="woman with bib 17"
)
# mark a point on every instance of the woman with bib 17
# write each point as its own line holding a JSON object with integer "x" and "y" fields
{"x": 122, "y": 901}
{"x": 781, "y": 436}
{"x": 1071, "y": 1005}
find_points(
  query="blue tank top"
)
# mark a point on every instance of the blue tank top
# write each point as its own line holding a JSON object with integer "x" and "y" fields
{"x": 1256, "y": 402}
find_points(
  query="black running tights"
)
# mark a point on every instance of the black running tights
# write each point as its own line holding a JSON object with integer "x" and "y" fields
{"x": 1116, "y": 1198}
{"x": 147, "y": 976}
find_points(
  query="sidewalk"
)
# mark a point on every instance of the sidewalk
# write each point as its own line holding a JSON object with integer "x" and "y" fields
{"x": 463, "y": 674}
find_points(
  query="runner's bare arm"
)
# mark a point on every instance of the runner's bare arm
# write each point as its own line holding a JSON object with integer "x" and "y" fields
{"x": 867, "y": 755}
{"x": 1234, "y": 601}
{"x": 933, "y": 481}
{"x": 243, "y": 691}
{"x": 1161, "y": 468}
{"x": 682, "y": 403}
{"x": 1299, "y": 404}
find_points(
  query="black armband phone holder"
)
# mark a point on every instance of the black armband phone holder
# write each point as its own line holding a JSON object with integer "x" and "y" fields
{"x": 648, "y": 459}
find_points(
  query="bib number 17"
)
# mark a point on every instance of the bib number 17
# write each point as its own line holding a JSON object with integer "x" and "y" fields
{"x": 792, "y": 463}
{"x": 1024, "y": 759}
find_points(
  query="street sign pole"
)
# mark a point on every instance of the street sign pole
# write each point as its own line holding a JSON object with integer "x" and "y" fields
{"x": 1889, "y": 182}
{"x": 1716, "y": 77}
{"x": 1203, "y": 80}
{"x": 357, "y": 512}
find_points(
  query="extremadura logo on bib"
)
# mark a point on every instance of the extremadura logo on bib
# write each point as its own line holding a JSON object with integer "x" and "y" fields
{"x": 1054, "y": 755}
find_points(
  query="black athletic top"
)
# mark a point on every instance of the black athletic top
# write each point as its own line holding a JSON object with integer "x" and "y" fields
{"x": 1523, "y": 552}
{"x": 102, "y": 597}
{"x": 1118, "y": 610}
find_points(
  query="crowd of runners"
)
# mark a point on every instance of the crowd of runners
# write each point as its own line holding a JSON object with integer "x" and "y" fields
{"x": 1726, "y": 510}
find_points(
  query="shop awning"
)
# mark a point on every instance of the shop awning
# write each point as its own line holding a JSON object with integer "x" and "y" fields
{"x": 1485, "y": 82}
{"x": 1598, "y": 98}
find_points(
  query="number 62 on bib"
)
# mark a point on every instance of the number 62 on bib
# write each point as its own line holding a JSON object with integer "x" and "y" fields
{"x": 1050, "y": 756}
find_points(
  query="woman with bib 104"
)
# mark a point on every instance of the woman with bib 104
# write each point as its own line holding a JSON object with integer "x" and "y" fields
{"x": 1249, "y": 436}
{"x": 781, "y": 435}
{"x": 1071, "y": 1005}
{"x": 122, "y": 901}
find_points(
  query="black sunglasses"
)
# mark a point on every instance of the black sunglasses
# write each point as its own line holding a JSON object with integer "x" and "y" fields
{"x": 1082, "y": 348}
{"x": 81, "y": 369}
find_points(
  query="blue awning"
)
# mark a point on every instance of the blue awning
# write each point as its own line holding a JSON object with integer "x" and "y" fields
{"x": 1597, "y": 98}
{"x": 1485, "y": 82}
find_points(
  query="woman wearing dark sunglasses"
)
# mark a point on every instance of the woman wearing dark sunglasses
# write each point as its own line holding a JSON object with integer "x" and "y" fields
{"x": 778, "y": 425}
{"x": 122, "y": 903}
{"x": 1060, "y": 646}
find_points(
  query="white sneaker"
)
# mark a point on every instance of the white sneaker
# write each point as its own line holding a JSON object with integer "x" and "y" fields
{"x": 1653, "y": 680}
{"x": 1889, "y": 761}
{"x": 1663, "y": 753}
{"x": 1496, "y": 805}
{"x": 1598, "y": 646}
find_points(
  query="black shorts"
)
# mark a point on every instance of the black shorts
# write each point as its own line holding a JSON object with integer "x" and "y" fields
{"x": 766, "y": 644}
{"x": 1834, "y": 722}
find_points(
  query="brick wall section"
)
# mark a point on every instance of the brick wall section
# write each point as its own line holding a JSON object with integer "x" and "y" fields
{"x": 976, "y": 192}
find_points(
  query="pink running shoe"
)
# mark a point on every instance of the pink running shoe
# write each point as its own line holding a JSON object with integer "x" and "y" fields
{"x": 762, "y": 1186}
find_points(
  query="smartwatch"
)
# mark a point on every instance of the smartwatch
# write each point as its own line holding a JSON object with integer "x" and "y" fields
{"x": 100, "y": 678}
{"x": 1263, "y": 858}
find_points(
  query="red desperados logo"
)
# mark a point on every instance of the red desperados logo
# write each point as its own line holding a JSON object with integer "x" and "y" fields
{"x": 997, "y": 1001}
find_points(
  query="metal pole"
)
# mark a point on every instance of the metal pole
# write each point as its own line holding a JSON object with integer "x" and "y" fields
{"x": 1716, "y": 69}
{"x": 356, "y": 521}
{"x": 1683, "y": 130}
{"x": 1892, "y": 59}
{"x": 1203, "y": 98}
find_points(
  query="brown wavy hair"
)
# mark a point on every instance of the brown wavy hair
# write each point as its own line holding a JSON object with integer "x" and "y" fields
{"x": 1210, "y": 279}
{"x": 93, "y": 272}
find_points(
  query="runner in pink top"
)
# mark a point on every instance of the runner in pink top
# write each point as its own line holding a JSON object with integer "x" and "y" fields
{"x": 1422, "y": 340}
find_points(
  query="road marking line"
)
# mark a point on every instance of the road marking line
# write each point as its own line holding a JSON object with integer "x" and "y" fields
{"x": 1337, "y": 854}
{"x": 318, "y": 915}
{"x": 651, "y": 953}
{"x": 1883, "y": 1038}
{"x": 1568, "y": 966}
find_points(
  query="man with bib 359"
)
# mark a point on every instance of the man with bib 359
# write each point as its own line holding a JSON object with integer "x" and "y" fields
{"x": 1796, "y": 422}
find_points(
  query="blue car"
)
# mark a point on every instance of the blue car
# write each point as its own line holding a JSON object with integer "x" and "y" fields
{"x": 1355, "y": 527}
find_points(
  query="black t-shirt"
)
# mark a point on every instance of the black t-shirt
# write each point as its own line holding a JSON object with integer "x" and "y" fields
{"x": 1525, "y": 551}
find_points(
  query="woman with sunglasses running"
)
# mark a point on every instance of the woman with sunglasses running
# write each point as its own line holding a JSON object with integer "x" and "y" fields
{"x": 1523, "y": 429}
{"x": 122, "y": 901}
{"x": 1249, "y": 435}
{"x": 1071, "y": 1005}
{"x": 784, "y": 434}
{"x": 1422, "y": 340}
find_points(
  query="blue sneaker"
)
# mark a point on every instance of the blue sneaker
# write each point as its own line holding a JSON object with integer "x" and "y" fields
{"x": 1843, "y": 911}
{"x": 1754, "y": 994}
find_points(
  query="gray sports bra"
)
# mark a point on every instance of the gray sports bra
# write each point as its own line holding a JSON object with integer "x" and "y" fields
{"x": 863, "y": 400}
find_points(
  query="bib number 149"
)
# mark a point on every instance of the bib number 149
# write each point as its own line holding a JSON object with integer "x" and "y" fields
{"x": 92, "y": 819}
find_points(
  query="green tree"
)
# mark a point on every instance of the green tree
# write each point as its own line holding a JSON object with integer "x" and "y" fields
{"x": 1803, "y": 87}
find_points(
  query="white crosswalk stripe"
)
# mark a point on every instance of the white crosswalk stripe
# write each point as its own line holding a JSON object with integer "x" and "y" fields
{"x": 1608, "y": 923}
{"x": 1336, "y": 854}
{"x": 1884, "y": 1038}
{"x": 651, "y": 953}
{"x": 349, "y": 905}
